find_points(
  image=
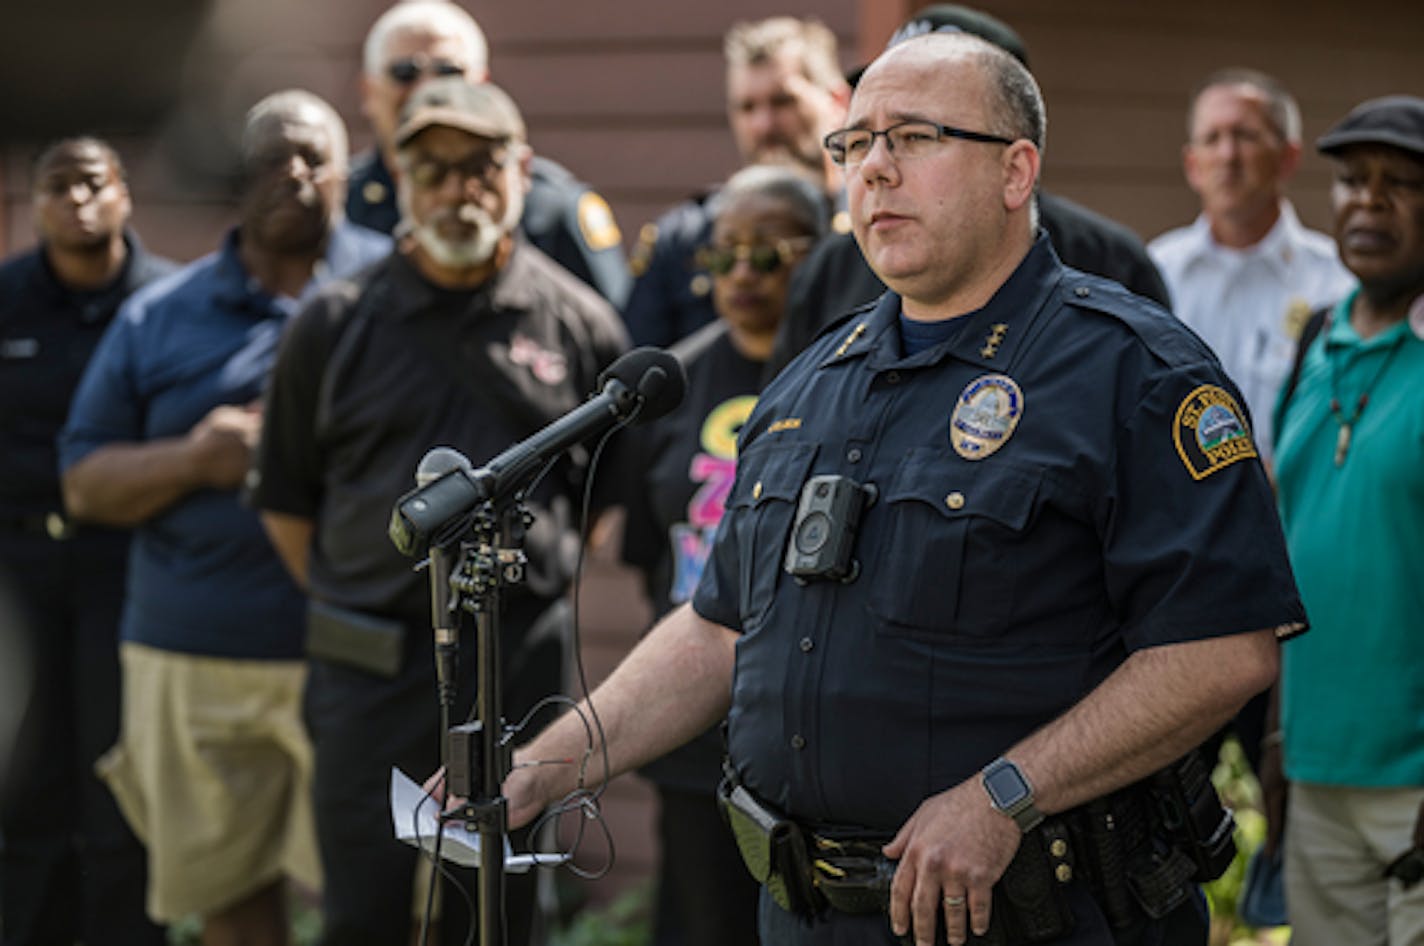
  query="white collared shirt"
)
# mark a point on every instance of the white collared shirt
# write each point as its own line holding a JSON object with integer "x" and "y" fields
{"x": 1249, "y": 305}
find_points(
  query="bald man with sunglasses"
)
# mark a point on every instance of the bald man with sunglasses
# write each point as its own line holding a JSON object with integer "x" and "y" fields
{"x": 418, "y": 40}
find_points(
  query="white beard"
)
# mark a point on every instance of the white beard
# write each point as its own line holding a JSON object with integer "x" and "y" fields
{"x": 475, "y": 250}
{"x": 479, "y": 247}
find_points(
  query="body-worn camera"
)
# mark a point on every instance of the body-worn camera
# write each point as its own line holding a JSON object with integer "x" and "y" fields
{"x": 823, "y": 535}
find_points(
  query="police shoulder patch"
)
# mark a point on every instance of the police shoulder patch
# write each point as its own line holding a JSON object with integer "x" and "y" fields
{"x": 1210, "y": 431}
{"x": 595, "y": 218}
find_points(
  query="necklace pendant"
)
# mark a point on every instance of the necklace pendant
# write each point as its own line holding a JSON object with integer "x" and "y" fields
{"x": 1342, "y": 444}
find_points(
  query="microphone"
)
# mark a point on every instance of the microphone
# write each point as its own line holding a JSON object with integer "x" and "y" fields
{"x": 644, "y": 384}
{"x": 444, "y": 622}
{"x": 439, "y": 461}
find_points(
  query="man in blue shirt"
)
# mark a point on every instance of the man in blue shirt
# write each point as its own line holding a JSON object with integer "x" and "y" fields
{"x": 1069, "y": 575}
{"x": 212, "y": 767}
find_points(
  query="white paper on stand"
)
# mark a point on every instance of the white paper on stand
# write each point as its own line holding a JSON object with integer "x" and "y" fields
{"x": 414, "y": 816}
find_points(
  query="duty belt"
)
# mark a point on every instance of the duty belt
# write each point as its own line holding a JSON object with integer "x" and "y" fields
{"x": 808, "y": 873}
{"x": 1138, "y": 851}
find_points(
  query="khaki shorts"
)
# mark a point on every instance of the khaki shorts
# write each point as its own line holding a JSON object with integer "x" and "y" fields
{"x": 213, "y": 772}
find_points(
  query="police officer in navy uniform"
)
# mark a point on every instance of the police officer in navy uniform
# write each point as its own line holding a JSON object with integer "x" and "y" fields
{"x": 70, "y": 869}
{"x": 563, "y": 216}
{"x": 836, "y": 278}
{"x": 996, "y": 552}
{"x": 784, "y": 91}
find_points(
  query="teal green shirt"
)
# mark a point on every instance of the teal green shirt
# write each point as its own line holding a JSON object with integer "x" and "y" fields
{"x": 1352, "y": 698}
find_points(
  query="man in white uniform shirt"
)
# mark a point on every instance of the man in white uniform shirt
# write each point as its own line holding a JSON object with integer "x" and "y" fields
{"x": 1246, "y": 274}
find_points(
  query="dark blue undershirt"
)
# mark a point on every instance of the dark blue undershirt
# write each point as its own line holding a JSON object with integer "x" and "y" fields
{"x": 915, "y": 336}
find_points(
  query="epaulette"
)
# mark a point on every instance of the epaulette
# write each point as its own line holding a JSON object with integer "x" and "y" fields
{"x": 1159, "y": 330}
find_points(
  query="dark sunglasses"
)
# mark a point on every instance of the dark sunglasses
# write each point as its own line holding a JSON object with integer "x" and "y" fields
{"x": 407, "y": 71}
{"x": 763, "y": 257}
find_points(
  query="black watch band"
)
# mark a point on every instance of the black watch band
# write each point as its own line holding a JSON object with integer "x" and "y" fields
{"x": 1010, "y": 792}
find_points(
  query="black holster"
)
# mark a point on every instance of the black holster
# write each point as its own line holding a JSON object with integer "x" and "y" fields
{"x": 774, "y": 848}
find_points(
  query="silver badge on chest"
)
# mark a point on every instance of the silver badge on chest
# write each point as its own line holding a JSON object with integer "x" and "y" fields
{"x": 985, "y": 415}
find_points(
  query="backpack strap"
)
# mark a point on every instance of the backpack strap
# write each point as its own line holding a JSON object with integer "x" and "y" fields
{"x": 1308, "y": 333}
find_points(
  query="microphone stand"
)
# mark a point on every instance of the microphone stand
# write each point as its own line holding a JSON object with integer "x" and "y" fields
{"x": 492, "y": 561}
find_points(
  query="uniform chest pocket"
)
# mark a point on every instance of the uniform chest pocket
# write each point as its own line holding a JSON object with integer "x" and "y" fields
{"x": 947, "y": 568}
{"x": 761, "y": 509}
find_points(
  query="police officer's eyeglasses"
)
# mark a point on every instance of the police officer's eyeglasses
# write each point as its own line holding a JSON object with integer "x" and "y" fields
{"x": 763, "y": 257}
{"x": 408, "y": 71}
{"x": 849, "y": 147}
{"x": 429, "y": 172}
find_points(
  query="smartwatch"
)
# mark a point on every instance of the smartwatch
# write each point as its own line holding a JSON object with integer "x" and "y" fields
{"x": 1010, "y": 792}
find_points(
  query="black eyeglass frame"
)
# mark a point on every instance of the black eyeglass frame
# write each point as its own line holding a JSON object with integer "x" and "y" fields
{"x": 491, "y": 163}
{"x": 408, "y": 70}
{"x": 835, "y": 146}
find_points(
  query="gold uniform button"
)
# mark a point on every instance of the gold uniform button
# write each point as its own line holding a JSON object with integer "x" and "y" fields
{"x": 756, "y": 490}
{"x": 1058, "y": 848}
{"x": 1064, "y": 873}
{"x": 374, "y": 192}
{"x": 954, "y": 500}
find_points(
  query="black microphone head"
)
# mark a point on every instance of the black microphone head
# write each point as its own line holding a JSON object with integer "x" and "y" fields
{"x": 655, "y": 375}
{"x": 438, "y": 462}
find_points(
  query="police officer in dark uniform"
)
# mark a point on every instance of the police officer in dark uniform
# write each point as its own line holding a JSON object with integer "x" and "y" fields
{"x": 467, "y": 336}
{"x": 784, "y": 90}
{"x": 997, "y": 552}
{"x": 71, "y": 869}
{"x": 836, "y": 279}
{"x": 563, "y": 216}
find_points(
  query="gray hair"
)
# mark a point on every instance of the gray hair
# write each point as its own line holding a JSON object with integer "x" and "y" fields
{"x": 434, "y": 16}
{"x": 811, "y": 41}
{"x": 1282, "y": 110}
{"x": 796, "y": 190}
{"x": 294, "y": 105}
{"x": 1018, "y": 99}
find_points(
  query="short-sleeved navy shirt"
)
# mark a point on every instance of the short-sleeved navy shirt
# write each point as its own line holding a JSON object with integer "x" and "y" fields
{"x": 672, "y": 294}
{"x": 1104, "y": 497}
{"x": 203, "y": 577}
{"x": 47, "y": 334}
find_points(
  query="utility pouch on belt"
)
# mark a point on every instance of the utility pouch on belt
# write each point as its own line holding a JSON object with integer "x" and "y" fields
{"x": 352, "y": 639}
{"x": 1162, "y": 836}
{"x": 773, "y": 847}
{"x": 1030, "y": 902}
{"x": 1193, "y": 817}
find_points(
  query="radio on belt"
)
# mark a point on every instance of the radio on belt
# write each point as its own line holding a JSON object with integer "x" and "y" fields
{"x": 823, "y": 536}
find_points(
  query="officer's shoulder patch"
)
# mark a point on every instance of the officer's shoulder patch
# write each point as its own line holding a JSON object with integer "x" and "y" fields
{"x": 1210, "y": 431}
{"x": 596, "y": 223}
